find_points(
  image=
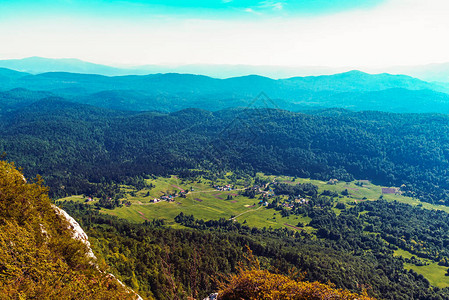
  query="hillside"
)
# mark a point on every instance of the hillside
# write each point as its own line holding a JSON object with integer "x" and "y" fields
{"x": 396, "y": 100}
{"x": 253, "y": 283}
{"x": 40, "y": 254}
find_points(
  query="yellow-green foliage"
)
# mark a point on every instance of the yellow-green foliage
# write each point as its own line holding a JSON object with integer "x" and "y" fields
{"x": 252, "y": 283}
{"x": 38, "y": 257}
{"x": 261, "y": 284}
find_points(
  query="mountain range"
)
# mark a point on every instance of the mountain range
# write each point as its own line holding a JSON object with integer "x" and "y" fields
{"x": 354, "y": 90}
{"x": 437, "y": 72}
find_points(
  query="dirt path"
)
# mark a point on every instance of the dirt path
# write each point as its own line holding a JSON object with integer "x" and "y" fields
{"x": 142, "y": 215}
{"x": 297, "y": 228}
{"x": 245, "y": 213}
{"x": 211, "y": 191}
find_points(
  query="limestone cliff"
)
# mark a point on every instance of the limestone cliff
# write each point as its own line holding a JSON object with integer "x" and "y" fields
{"x": 44, "y": 252}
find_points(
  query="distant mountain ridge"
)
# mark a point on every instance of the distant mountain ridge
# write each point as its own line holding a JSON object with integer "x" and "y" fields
{"x": 431, "y": 72}
{"x": 354, "y": 90}
{"x": 436, "y": 72}
{"x": 36, "y": 65}
{"x": 357, "y": 80}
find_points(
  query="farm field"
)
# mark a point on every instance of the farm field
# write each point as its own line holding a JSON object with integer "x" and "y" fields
{"x": 204, "y": 202}
{"x": 207, "y": 203}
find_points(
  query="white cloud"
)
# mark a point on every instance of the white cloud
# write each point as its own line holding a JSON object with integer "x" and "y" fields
{"x": 275, "y": 5}
{"x": 251, "y": 11}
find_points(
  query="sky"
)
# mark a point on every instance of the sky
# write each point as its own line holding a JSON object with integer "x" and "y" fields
{"x": 333, "y": 33}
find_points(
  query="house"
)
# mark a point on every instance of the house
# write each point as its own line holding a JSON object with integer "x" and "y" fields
{"x": 332, "y": 181}
{"x": 222, "y": 188}
{"x": 301, "y": 201}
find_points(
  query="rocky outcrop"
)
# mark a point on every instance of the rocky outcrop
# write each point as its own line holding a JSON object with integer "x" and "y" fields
{"x": 79, "y": 234}
{"x": 213, "y": 296}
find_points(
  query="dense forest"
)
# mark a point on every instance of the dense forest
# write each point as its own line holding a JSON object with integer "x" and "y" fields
{"x": 84, "y": 149}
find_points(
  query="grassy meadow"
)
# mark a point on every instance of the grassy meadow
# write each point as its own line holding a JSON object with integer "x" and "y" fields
{"x": 431, "y": 271}
{"x": 207, "y": 203}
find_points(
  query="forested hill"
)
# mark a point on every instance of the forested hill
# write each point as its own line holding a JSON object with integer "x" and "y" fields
{"x": 42, "y": 256}
{"x": 353, "y": 90}
{"x": 71, "y": 144}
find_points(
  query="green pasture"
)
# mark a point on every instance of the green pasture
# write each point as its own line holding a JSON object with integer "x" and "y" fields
{"x": 204, "y": 202}
{"x": 432, "y": 271}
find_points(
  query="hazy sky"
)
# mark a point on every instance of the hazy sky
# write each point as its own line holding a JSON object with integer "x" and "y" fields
{"x": 355, "y": 33}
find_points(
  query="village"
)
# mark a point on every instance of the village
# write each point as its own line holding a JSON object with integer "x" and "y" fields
{"x": 264, "y": 192}
{"x": 270, "y": 192}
